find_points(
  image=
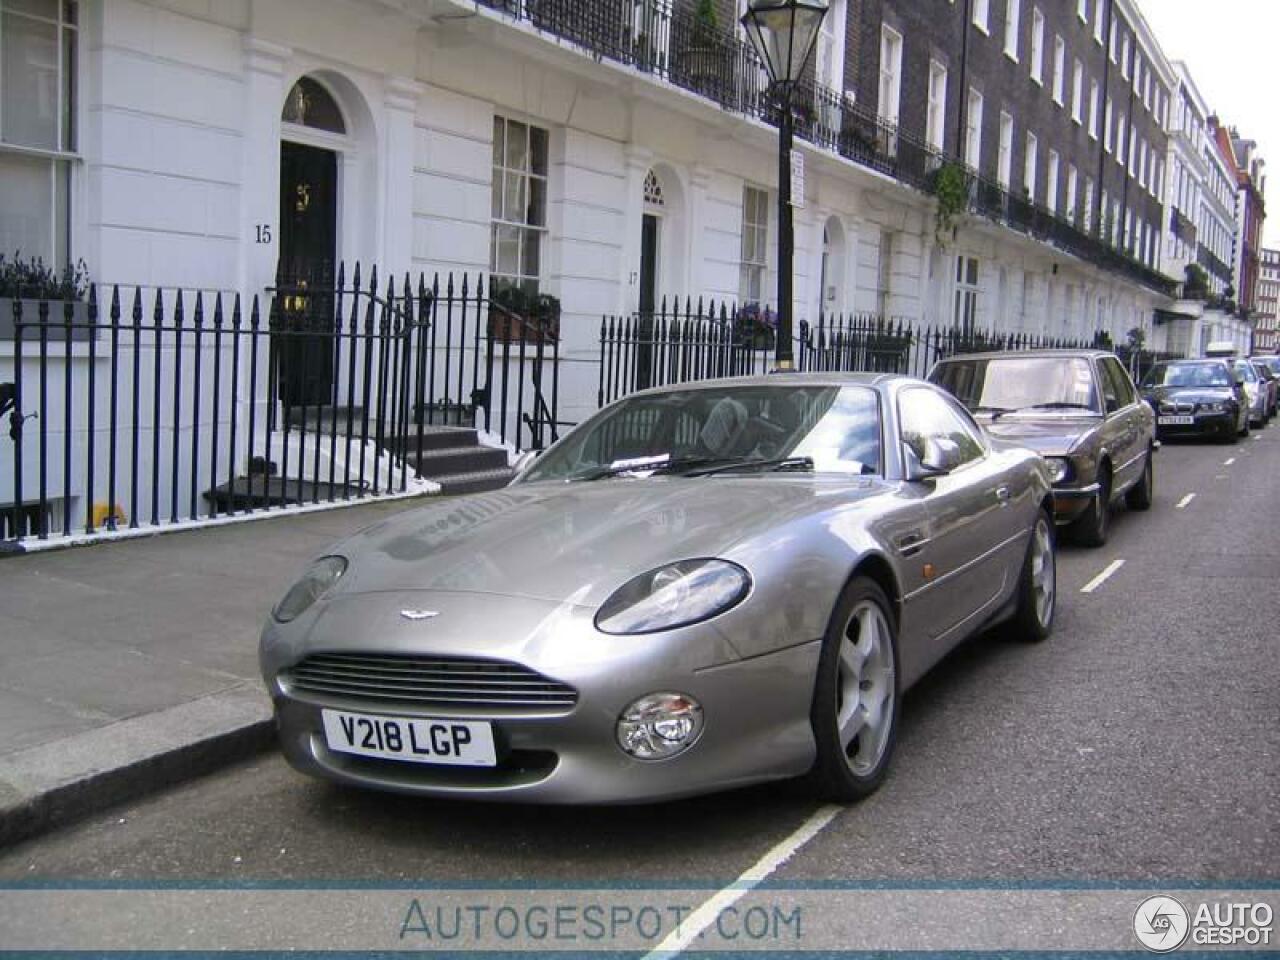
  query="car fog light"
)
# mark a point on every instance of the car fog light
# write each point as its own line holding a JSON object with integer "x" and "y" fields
{"x": 659, "y": 726}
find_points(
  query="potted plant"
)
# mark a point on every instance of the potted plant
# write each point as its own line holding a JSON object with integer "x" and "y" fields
{"x": 518, "y": 314}
{"x": 700, "y": 52}
{"x": 950, "y": 184}
{"x": 1196, "y": 286}
{"x": 25, "y": 284}
{"x": 757, "y": 326}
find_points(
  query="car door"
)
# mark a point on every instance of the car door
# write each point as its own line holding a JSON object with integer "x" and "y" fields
{"x": 1127, "y": 432}
{"x": 967, "y": 553}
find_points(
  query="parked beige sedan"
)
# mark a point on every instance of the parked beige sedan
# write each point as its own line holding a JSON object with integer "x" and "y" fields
{"x": 1077, "y": 408}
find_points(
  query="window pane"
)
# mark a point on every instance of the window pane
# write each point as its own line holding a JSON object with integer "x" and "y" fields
{"x": 68, "y": 90}
{"x": 517, "y": 145}
{"x": 513, "y": 199}
{"x": 495, "y": 205}
{"x": 27, "y": 208}
{"x": 37, "y": 8}
{"x": 538, "y": 144}
{"x": 538, "y": 202}
{"x": 531, "y": 261}
{"x": 30, "y": 85}
{"x": 506, "y": 250}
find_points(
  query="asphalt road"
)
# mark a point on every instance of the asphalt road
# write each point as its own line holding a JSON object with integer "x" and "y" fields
{"x": 1140, "y": 743}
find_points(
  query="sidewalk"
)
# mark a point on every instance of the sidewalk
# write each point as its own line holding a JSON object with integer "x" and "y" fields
{"x": 127, "y": 666}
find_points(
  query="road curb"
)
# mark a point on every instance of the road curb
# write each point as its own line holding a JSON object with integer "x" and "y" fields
{"x": 51, "y": 785}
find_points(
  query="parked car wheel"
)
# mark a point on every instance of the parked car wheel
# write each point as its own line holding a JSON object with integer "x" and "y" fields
{"x": 1038, "y": 586}
{"x": 1141, "y": 494}
{"x": 1094, "y": 525}
{"x": 856, "y": 701}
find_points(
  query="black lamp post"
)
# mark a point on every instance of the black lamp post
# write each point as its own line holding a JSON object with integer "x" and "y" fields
{"x": 783, "y": 33}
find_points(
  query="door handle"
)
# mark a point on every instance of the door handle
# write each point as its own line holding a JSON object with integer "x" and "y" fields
{"x": 1003, "y": 494}
{"x": 909, "y": 544}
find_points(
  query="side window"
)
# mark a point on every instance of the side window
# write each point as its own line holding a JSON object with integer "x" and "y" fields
{"x": 929, "y": 420}
{"x": 1123, "y": 385}
{"x": 1111, "y": 399}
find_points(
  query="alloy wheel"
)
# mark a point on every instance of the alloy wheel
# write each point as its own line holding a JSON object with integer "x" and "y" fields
{"x": 1044, "y": 579}
{"x": 865, "y": 688}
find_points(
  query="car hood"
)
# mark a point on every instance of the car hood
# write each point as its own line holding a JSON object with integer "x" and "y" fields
{"x": 1189, "y": 394}
{"x": 578, "y": 542}
{"x": 1047, "y": 436}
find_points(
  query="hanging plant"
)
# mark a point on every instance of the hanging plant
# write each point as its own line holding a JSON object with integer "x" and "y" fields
{"x": 950, "y": 186}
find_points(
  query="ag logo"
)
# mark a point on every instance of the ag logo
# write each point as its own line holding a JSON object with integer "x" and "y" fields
{"x": 1161, "y": 924}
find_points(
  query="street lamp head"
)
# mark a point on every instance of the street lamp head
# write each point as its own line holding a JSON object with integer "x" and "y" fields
{"x": 783, "y": 33}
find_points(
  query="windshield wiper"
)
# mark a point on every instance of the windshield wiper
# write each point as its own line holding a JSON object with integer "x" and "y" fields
{"x": 647, "y": 465}
{"x": 754, "y": 463}
{"x": 996, "y": 412}
{"x": 1053, "y": 405}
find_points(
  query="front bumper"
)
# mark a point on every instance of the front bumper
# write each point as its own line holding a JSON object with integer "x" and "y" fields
{"x": 1070, "y": 502}
{"x": 1222, "y": 423}
{"x": 756, "y": 711}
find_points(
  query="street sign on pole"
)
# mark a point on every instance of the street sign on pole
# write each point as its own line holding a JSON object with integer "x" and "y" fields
{"x": 797, "y": 178}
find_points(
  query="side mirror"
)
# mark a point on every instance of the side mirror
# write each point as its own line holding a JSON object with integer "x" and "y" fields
{"x": 525, "y": 460}
{"x": 933, "y": 464}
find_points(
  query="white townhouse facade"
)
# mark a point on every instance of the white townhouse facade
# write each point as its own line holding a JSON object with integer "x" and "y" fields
{"x": 1202, "y": 226}
{"x": 159, "y": 141}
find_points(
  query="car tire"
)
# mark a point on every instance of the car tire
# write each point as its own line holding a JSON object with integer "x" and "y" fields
{"x": 1141, "y": 494}
{"x": 857, "y": 695}
{"x": 1094, "y": 525}
{"x": 1038, "y": 585}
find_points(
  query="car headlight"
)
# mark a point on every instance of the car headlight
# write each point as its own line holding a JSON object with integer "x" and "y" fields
{"x": 1216, "y": 406}
{"x": 673, "y": 596}
{"x": 322, "y": 575}
{"x": 1059, "y": 468}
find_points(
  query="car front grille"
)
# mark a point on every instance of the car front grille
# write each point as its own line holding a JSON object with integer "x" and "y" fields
{"x": 454, "y": 682}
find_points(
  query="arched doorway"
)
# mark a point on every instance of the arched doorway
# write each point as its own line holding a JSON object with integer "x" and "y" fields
{"x": 655, "y": 203}
{"x": 313, "y": 134}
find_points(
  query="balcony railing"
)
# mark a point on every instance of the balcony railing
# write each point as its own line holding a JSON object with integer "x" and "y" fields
{"x": 1182, "y": 226}
{"x": 1213, "y": 264}
{"x": 656, "y": 37}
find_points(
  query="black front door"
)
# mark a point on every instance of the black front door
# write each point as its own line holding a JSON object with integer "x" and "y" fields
{"x": 649, "y": 264}
{"x": 305, "y": 302}
{"x": 648, "y": 300}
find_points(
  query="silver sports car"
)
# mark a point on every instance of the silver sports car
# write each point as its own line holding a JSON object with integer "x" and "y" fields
{"x": 700, "y": 587}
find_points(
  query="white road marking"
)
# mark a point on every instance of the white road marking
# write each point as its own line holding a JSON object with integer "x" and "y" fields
{"x": 1257, "y": 436}
{"x": 1103, "y": 577}
{"x": 702, "y": 918}
{"x": 1184, "y": 501}
{"x": 1229, "y": 461}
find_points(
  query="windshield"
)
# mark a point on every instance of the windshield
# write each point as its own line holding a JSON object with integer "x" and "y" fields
{"x": 1246, "y": 372}
{"x": 1188, "y": 375}
{"x": 838, "y": 428}
{"x": 1004, "y": 385}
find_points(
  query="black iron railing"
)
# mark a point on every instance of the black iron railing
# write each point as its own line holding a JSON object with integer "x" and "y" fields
{"x": 142, "y": 409}
{"x": 688, "y": 341}
{"x": 669, "y": 42}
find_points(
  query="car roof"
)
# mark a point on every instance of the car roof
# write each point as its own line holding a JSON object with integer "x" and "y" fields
{"x": 1065, "y": 352}
{"x": 790, "y": 379}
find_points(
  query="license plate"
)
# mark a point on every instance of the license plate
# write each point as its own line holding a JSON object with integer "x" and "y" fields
{"x": 459, "y": 743}
{"x": 1180, "y": 421}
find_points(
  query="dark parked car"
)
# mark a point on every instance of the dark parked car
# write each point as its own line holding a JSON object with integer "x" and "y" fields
{"x": 1078, "y": 409}
{"x": 1270, "y": 380}
{"x": 1197, "y": 398}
